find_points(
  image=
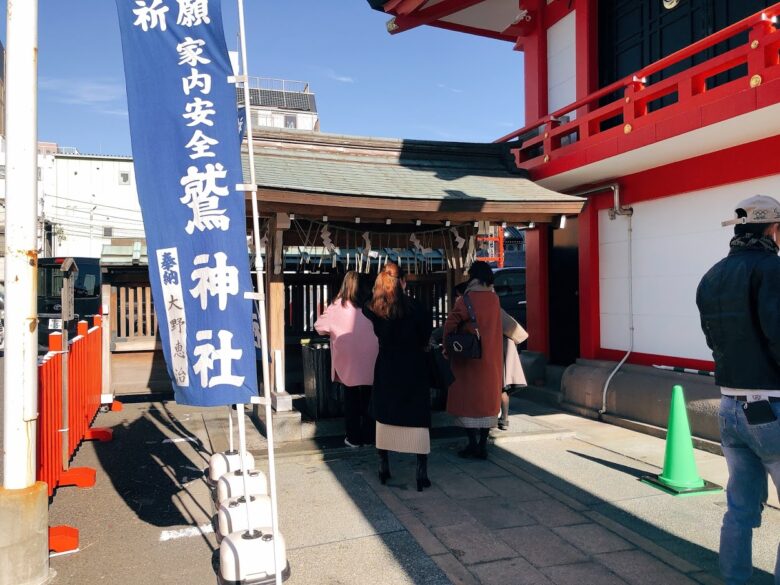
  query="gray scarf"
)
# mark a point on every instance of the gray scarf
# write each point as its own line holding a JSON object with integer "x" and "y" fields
{"x": 753, "y": 242}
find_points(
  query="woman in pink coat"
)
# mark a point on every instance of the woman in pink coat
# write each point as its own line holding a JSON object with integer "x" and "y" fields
{"x": 353, "y": 351}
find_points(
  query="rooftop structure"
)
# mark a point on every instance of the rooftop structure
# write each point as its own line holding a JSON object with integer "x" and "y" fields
{"x": 281, "y": 103}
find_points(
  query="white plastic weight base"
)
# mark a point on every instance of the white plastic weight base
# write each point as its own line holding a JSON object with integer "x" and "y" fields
{"x": 231, "y": 485}
{"x": 248, "y": 558}
{"x": 225, "y": 462}
{"x": 232, "y": 514}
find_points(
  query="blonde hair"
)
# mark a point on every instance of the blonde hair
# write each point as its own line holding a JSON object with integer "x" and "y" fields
{"x": 389, "y": 300}
{"x": 350, "y": 290}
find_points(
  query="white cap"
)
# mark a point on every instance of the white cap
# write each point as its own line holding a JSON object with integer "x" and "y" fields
{"x": 756, "y": 209}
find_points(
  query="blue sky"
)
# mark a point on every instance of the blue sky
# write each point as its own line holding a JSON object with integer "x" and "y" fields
{"x": 425, "y": 83}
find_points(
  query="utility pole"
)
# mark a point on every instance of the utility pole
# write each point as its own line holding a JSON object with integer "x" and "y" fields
{"x": 24, "y": 553}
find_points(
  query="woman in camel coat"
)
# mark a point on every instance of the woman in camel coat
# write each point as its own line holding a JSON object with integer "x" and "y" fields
{"x": 475, "y": 396}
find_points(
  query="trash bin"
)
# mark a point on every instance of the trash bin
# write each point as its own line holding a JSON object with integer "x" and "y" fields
{"x": 324, "y": 399}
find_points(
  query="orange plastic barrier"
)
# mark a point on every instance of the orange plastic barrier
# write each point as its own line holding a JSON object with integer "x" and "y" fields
{"x": 84, "y": 367}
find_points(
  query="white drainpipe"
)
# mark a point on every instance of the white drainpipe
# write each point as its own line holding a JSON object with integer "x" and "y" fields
{"x": 616, "y": 210}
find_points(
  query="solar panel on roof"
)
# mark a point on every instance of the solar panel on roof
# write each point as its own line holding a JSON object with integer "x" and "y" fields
{"x": 273, "y": 98}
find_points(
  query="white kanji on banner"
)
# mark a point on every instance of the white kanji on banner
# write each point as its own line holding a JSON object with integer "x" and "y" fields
{"x": 207, "y": 355}
{"x": 218, "y": 281}
{"x": 150, "y": 16}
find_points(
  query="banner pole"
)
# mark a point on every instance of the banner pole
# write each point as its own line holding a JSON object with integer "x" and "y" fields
{"x": 231, "y": 446}
{"x": 250, "y": 527}
{"x": 261, "y": 302}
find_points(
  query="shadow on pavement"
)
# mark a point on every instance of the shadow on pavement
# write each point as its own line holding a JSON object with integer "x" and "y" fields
{"x": 148, "y": 469}
{"x": 542, "y": 506}
{"x": 632, "y": 471}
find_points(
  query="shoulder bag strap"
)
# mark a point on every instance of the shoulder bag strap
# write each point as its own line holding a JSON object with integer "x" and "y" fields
{"x": 472, "y": 314}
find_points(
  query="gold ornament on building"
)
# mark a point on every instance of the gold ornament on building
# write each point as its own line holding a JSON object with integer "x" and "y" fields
{"x": 627, "y": 129}
{"x": 754, "y": 44}
{"x": 669, "y": 4}
{"x": 755, "y": 81}
{"x": 391, "y": 25}
{"x": 546, "y": 158}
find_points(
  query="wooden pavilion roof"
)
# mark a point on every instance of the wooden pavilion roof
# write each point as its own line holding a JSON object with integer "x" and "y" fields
{"x": 313, "y": 174}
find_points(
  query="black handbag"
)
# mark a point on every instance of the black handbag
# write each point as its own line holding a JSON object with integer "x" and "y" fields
{"x": 463, "y": 344}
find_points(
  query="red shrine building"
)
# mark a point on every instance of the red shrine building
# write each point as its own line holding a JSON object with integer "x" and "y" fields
{"x": 664, "y": 114}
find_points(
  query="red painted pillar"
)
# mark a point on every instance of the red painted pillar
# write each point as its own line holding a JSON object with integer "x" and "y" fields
{"x": 590, "y": 325}
{"x": 538, "y": 288}
{"x": 587, "y": 27}
{"x": 535, "y": 53}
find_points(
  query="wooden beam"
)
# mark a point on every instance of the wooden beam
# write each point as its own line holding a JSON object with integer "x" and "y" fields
{"x": 428, "y": 15}
{"x": 347, "y": 207}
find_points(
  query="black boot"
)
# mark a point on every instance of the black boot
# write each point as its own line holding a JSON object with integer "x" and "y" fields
{"x": 422, "y": 473}
{"x": 483, "y": 437}
{"x": 384, "y": 466}
{"x": 471, "y": 449}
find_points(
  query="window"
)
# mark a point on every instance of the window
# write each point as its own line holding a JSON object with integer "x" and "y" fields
{"x": 86, "y": 285}
{"x": 108, "y": 232}
{"x": 124, "y": 177}
{"x": 510, "y": 283}
{"x": 290, "y": 122}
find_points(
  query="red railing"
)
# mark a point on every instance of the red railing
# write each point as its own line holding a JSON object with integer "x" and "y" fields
{"x": 50, "y": 457}
{"x": 635, "y": 102}
{"x": 64, "y": 417}
{"x": 82, "y": 401}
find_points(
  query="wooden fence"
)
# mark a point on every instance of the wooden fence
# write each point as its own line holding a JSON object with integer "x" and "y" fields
{"x": 133, "y": 319}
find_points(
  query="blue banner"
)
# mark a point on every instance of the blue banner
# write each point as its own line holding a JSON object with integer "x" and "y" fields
{"x": 183, "y": 121}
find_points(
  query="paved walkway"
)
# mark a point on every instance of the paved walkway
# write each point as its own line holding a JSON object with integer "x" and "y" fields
{"x": 558, "y": 503}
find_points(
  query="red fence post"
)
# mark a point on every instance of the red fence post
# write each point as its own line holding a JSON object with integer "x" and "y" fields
{"x": 77, "y": 414}
{"x": 93, "y": 375}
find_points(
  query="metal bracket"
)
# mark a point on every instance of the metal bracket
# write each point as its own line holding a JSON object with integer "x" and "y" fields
{"x": 248, "y": 187}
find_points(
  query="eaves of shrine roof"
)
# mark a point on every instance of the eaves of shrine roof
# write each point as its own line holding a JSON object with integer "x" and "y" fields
{"x": 359, "y": 166}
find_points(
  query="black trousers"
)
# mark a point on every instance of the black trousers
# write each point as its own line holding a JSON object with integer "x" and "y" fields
{"x": 361, "y": 429}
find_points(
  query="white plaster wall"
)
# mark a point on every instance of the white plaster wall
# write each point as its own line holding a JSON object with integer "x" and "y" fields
{"x": 675, "y": 241}
{"x": 561, "y": 63}
{"x": 85, "y": 195}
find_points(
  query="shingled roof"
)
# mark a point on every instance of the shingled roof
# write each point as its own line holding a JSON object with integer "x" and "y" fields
{"x": 416, "y": 175}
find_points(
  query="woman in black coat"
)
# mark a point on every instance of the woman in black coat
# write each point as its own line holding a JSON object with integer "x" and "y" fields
{"x": 400, "y": 402}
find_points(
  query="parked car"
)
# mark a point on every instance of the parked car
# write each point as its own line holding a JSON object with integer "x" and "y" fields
{"x": 510, "y": 287}
{"x": 86, "y": 292}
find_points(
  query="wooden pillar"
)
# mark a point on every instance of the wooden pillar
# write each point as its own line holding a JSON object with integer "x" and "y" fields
{"x": 275, "y": 307}
{"x": 590, "y": 326}
{"x": 537, "y": 247}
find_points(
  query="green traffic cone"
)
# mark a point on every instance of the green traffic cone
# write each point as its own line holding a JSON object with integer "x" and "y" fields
{"x": 680, "y": 475}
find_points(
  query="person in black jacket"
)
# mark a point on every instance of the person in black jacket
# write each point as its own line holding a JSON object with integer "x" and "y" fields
{"x": 401, "y": 399}
{"x": 739, "y": 304}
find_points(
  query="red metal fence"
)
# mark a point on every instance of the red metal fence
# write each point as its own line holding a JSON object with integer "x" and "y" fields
{"x": 65, "y": 413}
{"x": 67, "y": 416}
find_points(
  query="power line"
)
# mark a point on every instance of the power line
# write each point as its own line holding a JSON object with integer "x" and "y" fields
{"x": 94, "y": 212}
{"x": 88, "y": 203}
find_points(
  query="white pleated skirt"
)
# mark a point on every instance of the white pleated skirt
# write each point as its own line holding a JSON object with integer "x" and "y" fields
{"x": 403, "y": 439}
